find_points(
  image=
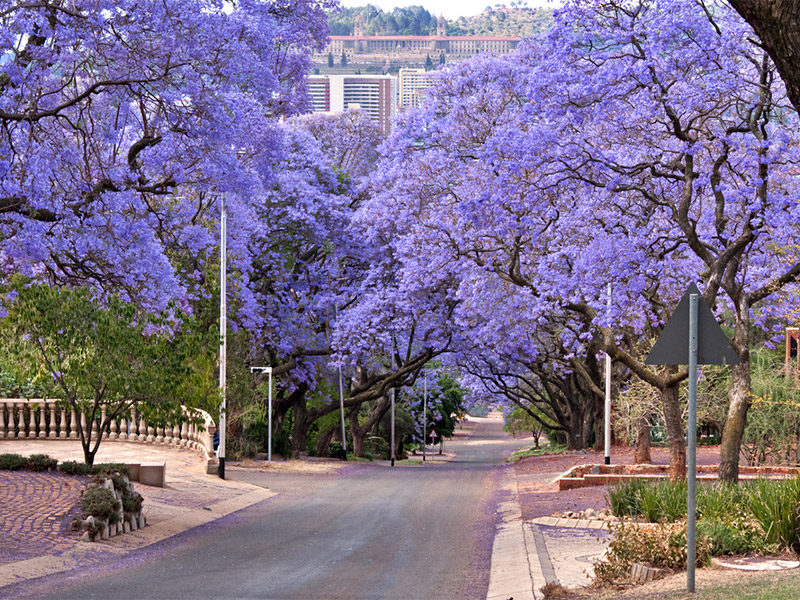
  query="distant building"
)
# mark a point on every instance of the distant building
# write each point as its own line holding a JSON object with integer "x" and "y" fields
{"x": 413, "y": 83}
{"x": 453, "y": 47}
{"x": 376, "y": 95}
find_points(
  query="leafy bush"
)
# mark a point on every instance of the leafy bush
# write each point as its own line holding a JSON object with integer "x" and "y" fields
{"x": 624, "y": 498}
{"x": 732, "y": 537}
{"x": 100, "y": 503}
{"x": 12, "y": 462}
{"x": 70, "y": 467}
{"x": 775, "y": 505}
{"x": 40, "y": 462}
{"x": 132, "y": 503}
{"x": 377, "y": 446}
{"x": 719, "y": 501}
{"x": 107, "y": 468}
{"x": 661, "y": 545}
{"x": 336, "y": 450}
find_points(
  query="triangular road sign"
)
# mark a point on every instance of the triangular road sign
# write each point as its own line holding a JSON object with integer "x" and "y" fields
{"x": 672, "y": 346}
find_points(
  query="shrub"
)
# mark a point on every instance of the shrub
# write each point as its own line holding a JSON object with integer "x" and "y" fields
{"x": 108, "y": 468}
{"x": 719, "y": 501}
{"x": 40, "y": 462}
{"x": 774, "y": 505}
{"x": 336, "y": 450}
{"x": 12, "y": 462}
{"x": 734, "y": 537}
{"x": 672, "y": 499}
{"x": 377, "y": 446}
{"x": 100, "y": 503}
{"x": 70, "y": 467}
{"x": 661, "y": 545}
{"x": 554, "y": 591}
{"x": 624, "y": 498}
{"x": 132, "y": 503}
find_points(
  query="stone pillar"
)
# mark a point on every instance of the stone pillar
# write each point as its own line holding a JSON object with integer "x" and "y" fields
{"x": 103, "y": 431}
{"x": 31, "y": 422}
{"x": 62, "y": 428}
{"x": 113, "y": 435}
{"x": 73, "y": 424}
{"x": 12, "y": 425}
{"x": 53, "y": 424}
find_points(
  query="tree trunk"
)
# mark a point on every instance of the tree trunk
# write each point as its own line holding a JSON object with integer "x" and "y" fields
{"x": 777, "y": 23}
{"x": 675, "y": 432}
{"x": 300, "y": 429}
{"x": 641, "y": 453}
{"x": 733, "y": 431}
{"x": 324, "y": 441}
{"x": 360, "y": 432}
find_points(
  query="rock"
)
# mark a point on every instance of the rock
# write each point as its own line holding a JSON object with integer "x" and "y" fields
{"x": 590, "y": 513}
{"x": 86, "y": 537}
{"x": 595, "y": 470}
{"x": 126, "y": 527}
{"x": 105, "y": 533}
{"x": 142, "y": 521}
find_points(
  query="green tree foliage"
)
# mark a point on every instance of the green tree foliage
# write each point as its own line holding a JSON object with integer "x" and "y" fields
{"x": 344, "y": 59}
{"x": 446, "y": 403}
{"x": 99, "y": 358}
{"x": 330, "y": 59}
{"x": 409, "y": 20}
{"x": 521, "y": 421}
{"x": 415, "y": 20}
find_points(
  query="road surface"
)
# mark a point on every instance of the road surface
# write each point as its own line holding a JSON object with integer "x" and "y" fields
{"x": 368, "y": 531}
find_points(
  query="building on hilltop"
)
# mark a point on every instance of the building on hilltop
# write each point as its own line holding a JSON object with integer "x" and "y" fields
{"x": 376, "y": 95}
{"x": 453, "y": 47}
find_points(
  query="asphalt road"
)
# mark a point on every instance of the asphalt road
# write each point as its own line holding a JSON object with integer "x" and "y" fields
{"x": 369, "y": 531}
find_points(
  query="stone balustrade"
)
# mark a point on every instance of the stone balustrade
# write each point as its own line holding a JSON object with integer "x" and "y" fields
{"x": 50, "y": 420}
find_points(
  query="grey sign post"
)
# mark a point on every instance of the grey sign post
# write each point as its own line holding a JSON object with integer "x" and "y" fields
{"x": 692, "y": 330}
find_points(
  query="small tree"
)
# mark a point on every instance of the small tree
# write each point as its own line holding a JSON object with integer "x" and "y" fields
{"x": 330, "y": 59}
{"x": 522, "y": 421}
{"x": 344, "y": 59}
{"x": 101, "y": 360}
{"x": 428, "y": 63}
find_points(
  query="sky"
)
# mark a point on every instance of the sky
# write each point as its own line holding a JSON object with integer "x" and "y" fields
{"x": 451, "y": 9}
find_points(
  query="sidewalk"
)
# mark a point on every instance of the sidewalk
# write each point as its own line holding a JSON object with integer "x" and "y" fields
{"x": 529, "y": 554}
{"x": 37, "y": 506}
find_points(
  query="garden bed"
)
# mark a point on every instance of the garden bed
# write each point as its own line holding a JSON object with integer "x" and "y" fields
{"x": 587, "y": 475}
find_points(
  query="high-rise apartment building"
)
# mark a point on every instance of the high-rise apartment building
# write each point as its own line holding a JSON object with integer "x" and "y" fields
{"x": 376, "y": 95}
{"x": 413, "y": 83}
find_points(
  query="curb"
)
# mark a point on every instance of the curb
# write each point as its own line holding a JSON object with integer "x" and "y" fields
{"x": 510, "y": 575}
{"x": 571, "y": 523}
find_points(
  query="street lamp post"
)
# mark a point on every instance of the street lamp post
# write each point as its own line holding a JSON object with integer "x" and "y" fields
{"x": 268, "y": 371}
{"x": 223, "y": 328}
{"x": 424, "y": 413}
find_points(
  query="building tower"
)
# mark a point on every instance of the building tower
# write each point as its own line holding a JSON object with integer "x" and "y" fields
{"x": 358, "y": 26}
{"x": 441, "y": 27}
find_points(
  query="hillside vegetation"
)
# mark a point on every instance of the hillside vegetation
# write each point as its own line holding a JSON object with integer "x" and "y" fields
{"x": 416, "y": 20}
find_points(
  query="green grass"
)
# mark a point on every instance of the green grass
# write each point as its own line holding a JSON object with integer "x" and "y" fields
{"x": 773, "y": 586}
{"x": 540, "y": 451}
